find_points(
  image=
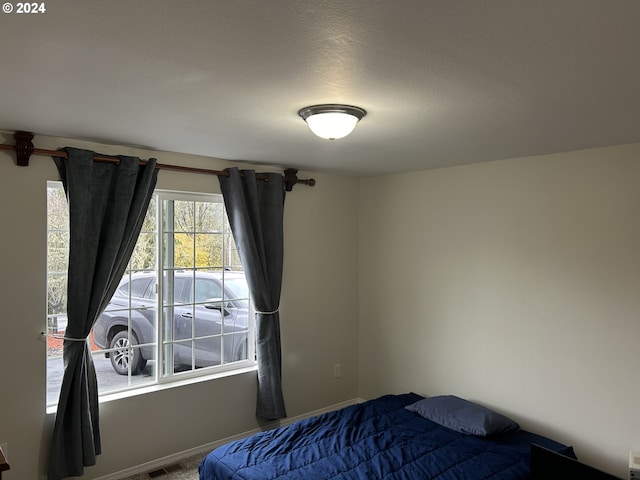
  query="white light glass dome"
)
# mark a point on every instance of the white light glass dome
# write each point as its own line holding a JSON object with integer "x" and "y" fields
{"x": 332, "y": 121}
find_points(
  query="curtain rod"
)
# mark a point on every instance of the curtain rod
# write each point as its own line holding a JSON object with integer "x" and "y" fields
{"x": 24, "y": 149}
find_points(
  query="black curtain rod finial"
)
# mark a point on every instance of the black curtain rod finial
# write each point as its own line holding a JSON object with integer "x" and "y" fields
{"x": 291, "y": 179}
{"x": 24, "y": 147}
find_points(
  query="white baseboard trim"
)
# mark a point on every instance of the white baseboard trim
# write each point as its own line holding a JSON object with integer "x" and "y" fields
{"x": 176, "y": 457}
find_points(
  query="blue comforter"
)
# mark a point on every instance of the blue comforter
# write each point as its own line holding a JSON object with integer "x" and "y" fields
{"x": 377, "y": 439}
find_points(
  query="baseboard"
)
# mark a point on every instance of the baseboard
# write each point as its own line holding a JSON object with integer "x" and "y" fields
{"x": 176, "y": 457}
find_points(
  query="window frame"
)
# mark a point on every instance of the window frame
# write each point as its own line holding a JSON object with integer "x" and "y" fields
{"x": 162, "y": 378}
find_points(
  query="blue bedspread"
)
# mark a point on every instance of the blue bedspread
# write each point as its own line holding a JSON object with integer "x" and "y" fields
{"x": 377, "y": 439}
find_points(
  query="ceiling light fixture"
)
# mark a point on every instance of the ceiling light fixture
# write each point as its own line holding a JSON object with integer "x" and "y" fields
{"x": 332, "y": 121}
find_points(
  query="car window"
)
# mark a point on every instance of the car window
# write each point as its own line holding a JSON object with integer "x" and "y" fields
{"x": 180, "y": 294}
{"x": 139, "y": 288}
{"x": 206, "y": 289}
{"x": 238, "y": 289}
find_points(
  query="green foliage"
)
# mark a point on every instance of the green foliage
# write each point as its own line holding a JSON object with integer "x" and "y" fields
{"x": 200, "y": 233}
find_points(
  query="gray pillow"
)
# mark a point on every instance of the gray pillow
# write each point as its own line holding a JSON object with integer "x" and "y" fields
{"x": 463, "y": 416}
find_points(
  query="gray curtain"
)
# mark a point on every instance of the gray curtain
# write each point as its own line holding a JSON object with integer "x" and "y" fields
{"x": 107, "y": 206}
{"x": 255, "y": 209}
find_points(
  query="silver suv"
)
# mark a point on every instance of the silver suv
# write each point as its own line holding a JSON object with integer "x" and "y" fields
{"x": 210, "y": 324}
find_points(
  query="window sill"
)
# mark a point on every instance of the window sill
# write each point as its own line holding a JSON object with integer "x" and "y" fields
{"x": 157, "y": 387}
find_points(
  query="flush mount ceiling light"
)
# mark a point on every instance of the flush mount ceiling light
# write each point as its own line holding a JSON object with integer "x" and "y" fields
{"x": 332, "y": 121}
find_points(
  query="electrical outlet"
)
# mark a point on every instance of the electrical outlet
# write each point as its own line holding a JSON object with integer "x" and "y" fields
{"x": 337, "y": 370}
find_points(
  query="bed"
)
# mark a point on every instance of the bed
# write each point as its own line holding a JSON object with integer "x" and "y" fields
{"x": 402, "y": 436}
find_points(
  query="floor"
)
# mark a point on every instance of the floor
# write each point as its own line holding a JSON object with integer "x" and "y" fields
{"x": 185, "y": 469}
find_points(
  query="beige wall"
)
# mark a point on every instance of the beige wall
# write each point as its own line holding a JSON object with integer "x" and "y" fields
{"x": 319, "y": 323}
{"x": 513, "y": 283}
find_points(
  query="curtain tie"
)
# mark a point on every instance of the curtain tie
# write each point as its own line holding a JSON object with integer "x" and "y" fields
{"x": 268, "y": 313}
{"x": 62, "y": 337}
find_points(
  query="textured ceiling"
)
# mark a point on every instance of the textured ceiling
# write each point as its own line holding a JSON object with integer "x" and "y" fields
{"x": 444, "y": 82}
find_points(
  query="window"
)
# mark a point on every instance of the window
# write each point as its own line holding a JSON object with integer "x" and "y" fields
{"x": 181, "y": 310}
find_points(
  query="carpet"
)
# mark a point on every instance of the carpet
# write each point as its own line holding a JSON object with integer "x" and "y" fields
{"x": 185, "y": 469}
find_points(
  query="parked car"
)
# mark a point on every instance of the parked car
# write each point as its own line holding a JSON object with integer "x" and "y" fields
{"x": 198, "y": 302}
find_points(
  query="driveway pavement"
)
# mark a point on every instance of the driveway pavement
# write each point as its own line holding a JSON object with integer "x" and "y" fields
{"x": 108, "y": 379}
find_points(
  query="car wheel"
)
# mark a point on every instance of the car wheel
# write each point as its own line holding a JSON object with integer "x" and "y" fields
{"x": 123, "y": 356}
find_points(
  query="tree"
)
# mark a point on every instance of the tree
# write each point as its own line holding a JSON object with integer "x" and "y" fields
{"x": 57, "y": 251}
